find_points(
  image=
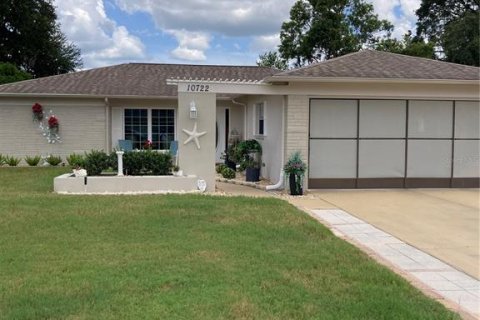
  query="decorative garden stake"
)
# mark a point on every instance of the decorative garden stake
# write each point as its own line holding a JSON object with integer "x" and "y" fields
{"x": 295, "y": 168}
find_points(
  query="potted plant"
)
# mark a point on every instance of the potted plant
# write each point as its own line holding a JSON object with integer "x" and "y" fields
{"x": 295, "y": 169}
{"x": 249, "y": 153}
{"x": 231, "y": 155}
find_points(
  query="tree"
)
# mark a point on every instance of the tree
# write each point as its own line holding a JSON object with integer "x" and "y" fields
{"x": 453, "y": 26}
{"x": 10, "y": 73}
{"x": 461, "y": 40}
{"x": 324, "y": 29}
{"x": 30, "y": 38}
{"x": 411, "y": 46}
{"x": 272, "y": 59}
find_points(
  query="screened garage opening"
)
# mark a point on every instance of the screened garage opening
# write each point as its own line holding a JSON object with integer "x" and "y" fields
{"x": 360, "y": 143}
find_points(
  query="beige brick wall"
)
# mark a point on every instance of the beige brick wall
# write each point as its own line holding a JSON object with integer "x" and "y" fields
{"x": 82, "y": 127}
{"x": 297, "y": 127}
{"x": 296, "y": 133}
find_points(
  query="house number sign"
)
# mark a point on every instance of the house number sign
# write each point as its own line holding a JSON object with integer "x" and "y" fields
{"x": 198, "y": 88}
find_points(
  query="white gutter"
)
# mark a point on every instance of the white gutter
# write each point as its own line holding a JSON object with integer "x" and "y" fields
{"x": 282, "y": 79}
{"x": 280, "y": 183}
{"x": 108, "y": 130}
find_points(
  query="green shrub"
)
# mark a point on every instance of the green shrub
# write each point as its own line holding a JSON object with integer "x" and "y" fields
{"x": 248, "y": 153}
{"x": 53, "y": 160}
{"x": 12, "y": 161}
{"x": 112, "y": 161}
{"x": 219, "y": 168}
{"x": 76, "y": 160}
{"x": 228, "y": 173}
{"x": 96, "y": 161}
{"x": 147, "y": 162}
{"x": 33, "y": 161}
{"x": 2, "y": 160}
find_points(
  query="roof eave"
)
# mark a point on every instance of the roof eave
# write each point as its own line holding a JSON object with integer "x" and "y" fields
{"x": 84, "y": 96}
{"x": 366, "y": 80}
{"x": 93, "y": 96}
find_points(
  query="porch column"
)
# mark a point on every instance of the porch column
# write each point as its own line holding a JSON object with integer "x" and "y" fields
{"x": 192, "y": 159}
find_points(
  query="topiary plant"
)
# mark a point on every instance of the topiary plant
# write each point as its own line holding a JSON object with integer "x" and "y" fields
{"x": 219, "y": 168}
{"x": 96, "y": 162}
{"x": 53, "y": 160}
{"x": 33, "y": 161}
{"x": 76, "y": 160}
{"x": 228, "y": 173}
{"x": 12, "y": 161}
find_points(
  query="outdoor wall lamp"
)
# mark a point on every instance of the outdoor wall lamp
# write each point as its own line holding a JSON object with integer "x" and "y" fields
{"x": 193, "y": 110}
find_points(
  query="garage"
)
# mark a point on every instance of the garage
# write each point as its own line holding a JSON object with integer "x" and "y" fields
{"x": 383, "y": 143}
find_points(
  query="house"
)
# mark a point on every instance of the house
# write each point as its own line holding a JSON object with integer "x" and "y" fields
{"x": 364, "y": 120}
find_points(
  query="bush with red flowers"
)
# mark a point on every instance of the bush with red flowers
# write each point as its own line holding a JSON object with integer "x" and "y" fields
{"x": 37, "y": 112}
{"x": 148, "y": 145}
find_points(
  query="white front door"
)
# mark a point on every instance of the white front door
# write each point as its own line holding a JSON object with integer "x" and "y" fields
{"x": 222, "y": 128}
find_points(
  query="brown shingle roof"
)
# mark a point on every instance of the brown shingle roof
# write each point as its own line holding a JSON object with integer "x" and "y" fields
{"x": 132, "y": 79}
{"x": 370, "y": 64}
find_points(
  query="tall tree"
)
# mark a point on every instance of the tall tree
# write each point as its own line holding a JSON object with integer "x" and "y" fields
{"x": 453, "y": 25}
{"x": 409, "y": 45}
{"x": 30, "y": 38}
{"x": 272, "y": 59}
{"x": 324, "y": 29}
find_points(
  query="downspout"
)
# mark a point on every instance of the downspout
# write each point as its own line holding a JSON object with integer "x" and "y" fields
{"x": 108, "y": 130}
{"x": 280, "y": 183}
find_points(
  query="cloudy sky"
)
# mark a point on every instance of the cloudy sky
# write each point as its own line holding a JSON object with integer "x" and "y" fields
{"x": 189, "y": 31}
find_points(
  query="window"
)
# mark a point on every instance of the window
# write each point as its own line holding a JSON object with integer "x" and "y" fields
{"x": 156, "y": 125}
{"x": 260, "y": 119}
{"x": 136, "y": 126}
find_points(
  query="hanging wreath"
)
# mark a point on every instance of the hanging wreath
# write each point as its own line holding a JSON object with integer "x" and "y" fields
{"x": 50, "y": 126}
{"x": 37, "y": 110}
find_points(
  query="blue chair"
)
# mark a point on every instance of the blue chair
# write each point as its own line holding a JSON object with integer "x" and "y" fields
{"x": 174, "y": 151}
{"x": 125, "y": 145}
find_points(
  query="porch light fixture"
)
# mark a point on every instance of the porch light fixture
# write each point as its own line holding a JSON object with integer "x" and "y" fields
{"x": 193, "y": 110}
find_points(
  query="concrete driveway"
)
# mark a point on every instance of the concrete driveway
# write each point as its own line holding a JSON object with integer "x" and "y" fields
{"x": 441, "y": 222}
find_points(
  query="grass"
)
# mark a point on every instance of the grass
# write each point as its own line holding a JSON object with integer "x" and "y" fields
{"x": 182, "y": 257}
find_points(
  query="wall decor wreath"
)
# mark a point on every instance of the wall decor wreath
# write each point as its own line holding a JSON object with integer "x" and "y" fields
{"x": 48, "y": 123}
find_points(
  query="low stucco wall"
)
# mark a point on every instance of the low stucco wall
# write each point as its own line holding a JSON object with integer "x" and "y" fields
{"x": 126, "y": 184}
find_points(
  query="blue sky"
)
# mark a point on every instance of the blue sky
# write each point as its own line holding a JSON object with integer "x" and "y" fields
{"x": 232, "y": 32}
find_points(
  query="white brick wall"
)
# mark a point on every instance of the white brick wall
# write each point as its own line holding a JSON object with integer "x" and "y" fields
{"x": 82, "y": 127}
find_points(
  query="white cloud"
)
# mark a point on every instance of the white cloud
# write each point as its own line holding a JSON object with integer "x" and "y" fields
{"x": 100, "y": 39}
{"x": 191, "y": 45}
{"x": 266, "y": 43}
{"x": 401, "y": 13}
{"x": 227, "y": 17}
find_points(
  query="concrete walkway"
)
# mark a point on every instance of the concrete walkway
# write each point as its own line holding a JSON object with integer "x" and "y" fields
{"x": 407, "y": 230}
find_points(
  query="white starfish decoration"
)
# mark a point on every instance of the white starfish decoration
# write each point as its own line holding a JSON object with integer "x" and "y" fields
{"x": 193, "y": 135}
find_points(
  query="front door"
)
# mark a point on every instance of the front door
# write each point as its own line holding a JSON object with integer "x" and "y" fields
{"x": 222, "y": 128}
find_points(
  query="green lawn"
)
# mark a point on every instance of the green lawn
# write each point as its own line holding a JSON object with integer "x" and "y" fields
{"x": 182, "y": 257}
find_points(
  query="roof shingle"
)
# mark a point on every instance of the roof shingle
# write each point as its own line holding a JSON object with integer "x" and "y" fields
{"x": 371, "y": 64}
{"x": 132, "y": 79}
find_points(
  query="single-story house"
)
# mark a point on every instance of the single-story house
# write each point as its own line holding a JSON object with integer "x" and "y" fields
{"x": 364, "y": 120}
